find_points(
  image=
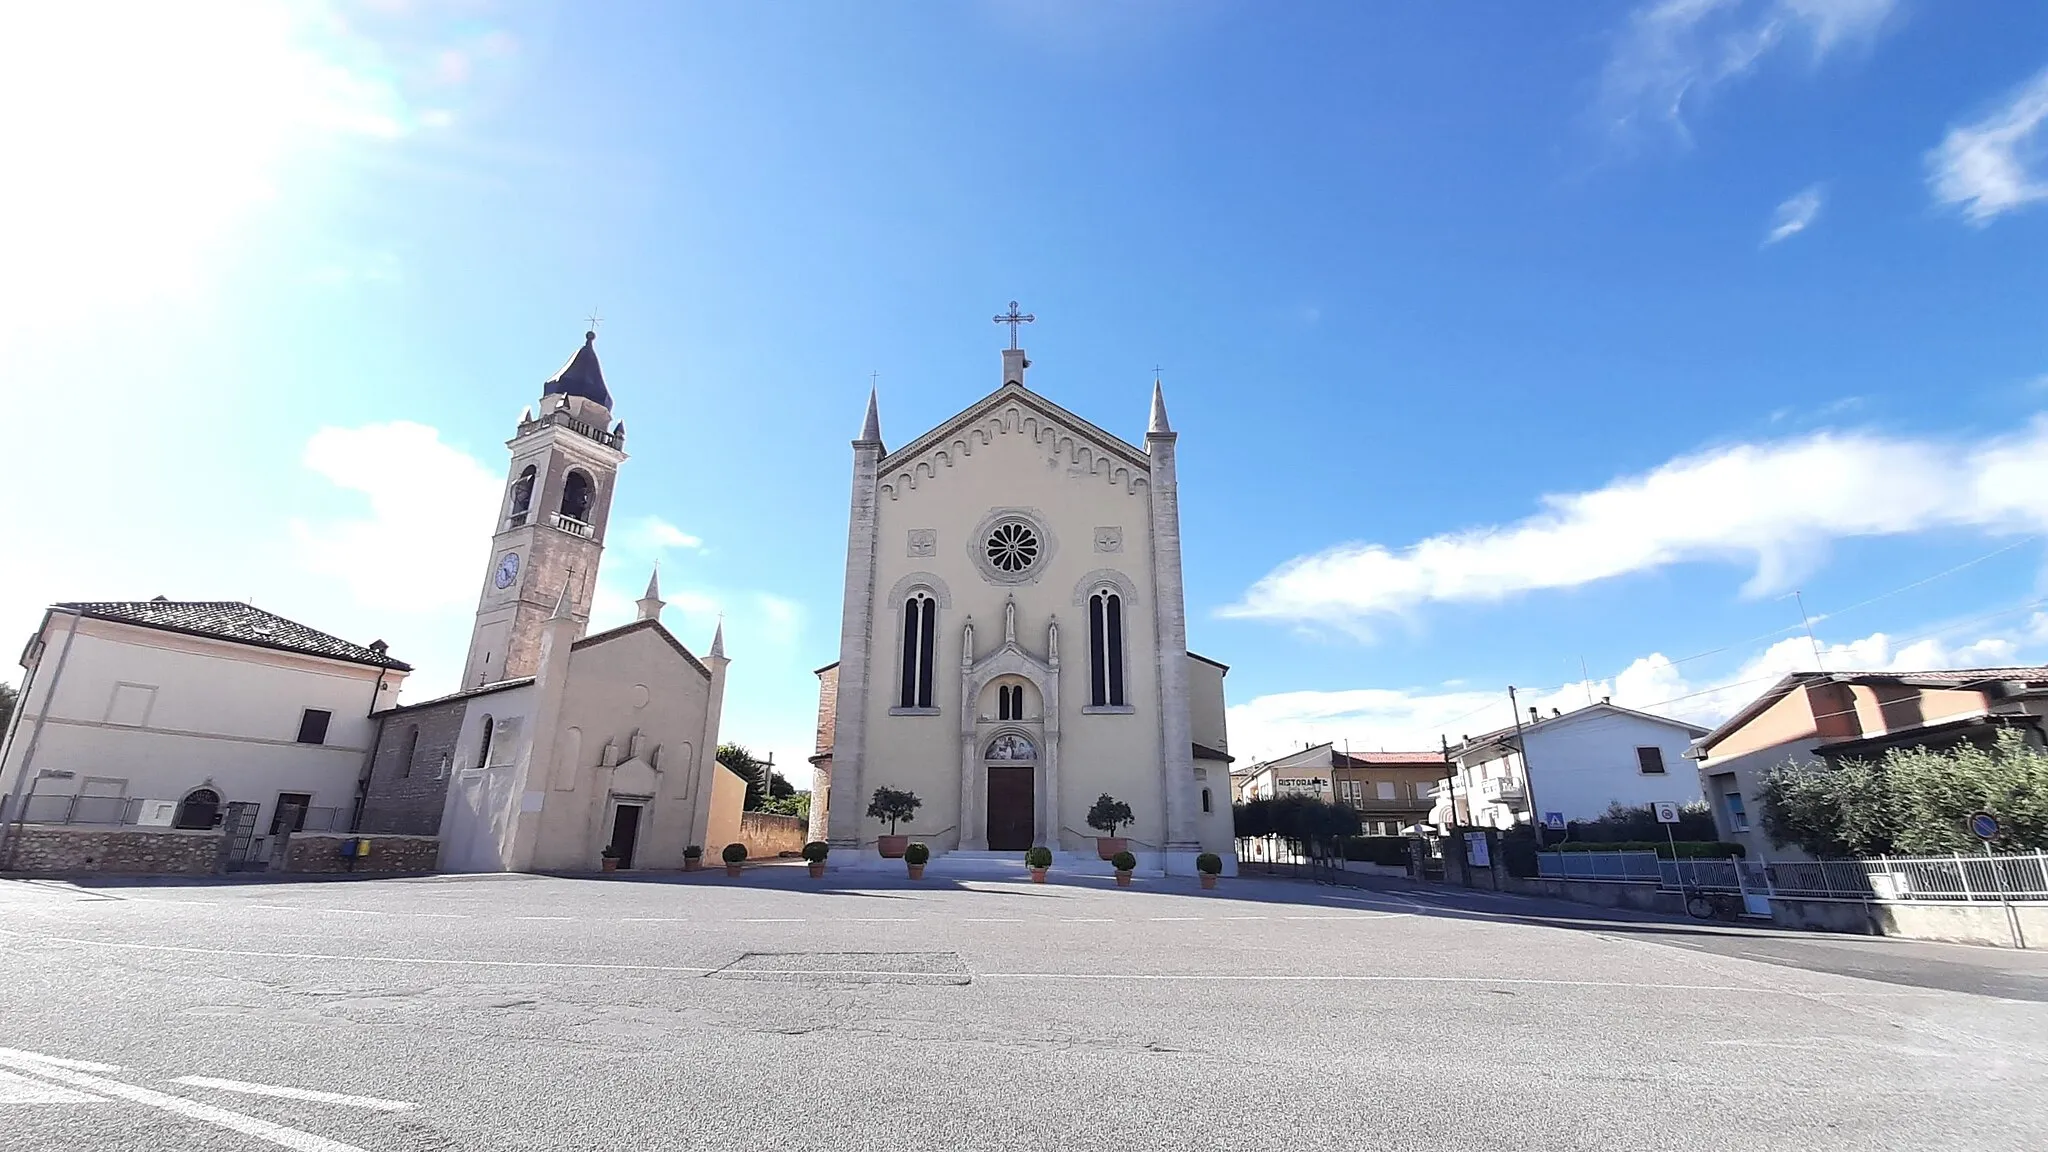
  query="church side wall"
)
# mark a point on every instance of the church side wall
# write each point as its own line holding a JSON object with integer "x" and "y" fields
{"x": 1075, "y": 506}
{"x": 603, "y": 703}
{"x": 407, "y": 797}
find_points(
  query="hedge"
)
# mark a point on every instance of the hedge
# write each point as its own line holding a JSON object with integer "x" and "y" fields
{"x": 1388, "y": 850}
{"x": 1687, "y": 849}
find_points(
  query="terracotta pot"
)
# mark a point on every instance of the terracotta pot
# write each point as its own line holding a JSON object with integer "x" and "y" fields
{"x": 1107, "y": 847}
{"x": 818, "y": 870}
{"x": 693, "y": 864}
{"x": 1038, "y": 875}
{"x": 1123, "y": 879}
{"x": 916, "y": 871}
{"x": 1208, "y": 880}
{"x": 611, "y": 865}
{"x": 892, "y": 847}
{"x": 732, "y": 869}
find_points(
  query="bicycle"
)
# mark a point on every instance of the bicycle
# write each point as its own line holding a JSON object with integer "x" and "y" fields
{"x": 1701, "y": 904}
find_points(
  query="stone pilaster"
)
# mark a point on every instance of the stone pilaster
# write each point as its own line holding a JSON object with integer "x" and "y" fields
{"x": 1177, "y": 766}
{"x": 856, "y": 630}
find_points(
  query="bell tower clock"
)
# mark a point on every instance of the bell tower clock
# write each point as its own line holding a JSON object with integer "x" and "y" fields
{"x": 551, "y": 522}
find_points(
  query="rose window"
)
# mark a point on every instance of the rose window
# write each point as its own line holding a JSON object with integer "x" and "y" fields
{"x": 1013, "y": 547}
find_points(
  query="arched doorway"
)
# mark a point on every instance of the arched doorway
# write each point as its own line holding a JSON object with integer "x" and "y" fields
{"x": 1011, "y": 762}
{"x": 199, "y": 809}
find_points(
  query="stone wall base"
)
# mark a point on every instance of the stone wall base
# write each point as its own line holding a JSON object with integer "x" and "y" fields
{"x": 63, "y": 849}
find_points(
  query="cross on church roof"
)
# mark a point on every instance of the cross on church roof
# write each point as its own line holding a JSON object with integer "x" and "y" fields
{"x": 1014, "y": 318}
{"x": 593, "y": 320}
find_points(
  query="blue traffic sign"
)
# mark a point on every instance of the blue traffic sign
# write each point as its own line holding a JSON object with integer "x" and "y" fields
{"x": 1554, "y": 821}
{"x": 1984, "y": 826}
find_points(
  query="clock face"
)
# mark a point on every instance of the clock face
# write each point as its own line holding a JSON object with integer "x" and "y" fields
{"x": 508, "y": 569}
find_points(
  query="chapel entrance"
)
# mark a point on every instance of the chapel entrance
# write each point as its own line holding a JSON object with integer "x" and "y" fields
{"x": 625, "y": 830}
{"x": 1010, "y": 821}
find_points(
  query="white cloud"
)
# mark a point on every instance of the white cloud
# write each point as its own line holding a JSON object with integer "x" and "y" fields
{"x": 1792, "y": 217}
{"x": 417, "y": 547}
{"x": 654, "y": 534}
{"x": 1415, "y": 720}
{"x": 1989, "y": 167}
{"x": 1776, "y": 506}
{"x": 1673, "y": 53}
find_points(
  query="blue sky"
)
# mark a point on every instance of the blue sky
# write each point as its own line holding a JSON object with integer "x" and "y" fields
{"x": 1500, "y": 336}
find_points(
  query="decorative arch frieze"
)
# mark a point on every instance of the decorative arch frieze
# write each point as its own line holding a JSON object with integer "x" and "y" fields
{"x": 1081, "y": 456}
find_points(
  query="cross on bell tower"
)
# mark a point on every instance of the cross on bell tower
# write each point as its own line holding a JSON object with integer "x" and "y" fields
{"x": 1014, "y": 360}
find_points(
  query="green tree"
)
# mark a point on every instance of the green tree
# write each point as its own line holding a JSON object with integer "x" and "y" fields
{"x": 796, "y": 804}
{"x": 7, "y": 697}
{"x": 1109, "y": 814}
{"x": 1933, "y": 794}
{"x": 754, "y": 771}
{"x": 1843, "y": 810}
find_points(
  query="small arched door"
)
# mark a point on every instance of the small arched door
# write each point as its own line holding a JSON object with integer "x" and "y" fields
{"x": 1011, "y": 761}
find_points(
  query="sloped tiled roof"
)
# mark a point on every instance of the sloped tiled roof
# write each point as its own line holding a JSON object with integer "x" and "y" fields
{"x": 235, "y": 621}
{"x": 1386, "y": 759}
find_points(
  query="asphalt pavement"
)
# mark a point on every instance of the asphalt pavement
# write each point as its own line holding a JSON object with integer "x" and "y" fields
{"x": 777, "y": 1011}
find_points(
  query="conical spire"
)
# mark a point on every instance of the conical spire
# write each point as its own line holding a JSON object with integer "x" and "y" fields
{"x": 1159, "y": 426}
{"x": 718, "y": 641}
{"x": 871, "y": 427}
{"x": 651, "y": 604}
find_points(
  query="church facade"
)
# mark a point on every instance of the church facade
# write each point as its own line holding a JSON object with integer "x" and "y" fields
{"x": 1013, "y": 640}
{"x": 561, "y": 745}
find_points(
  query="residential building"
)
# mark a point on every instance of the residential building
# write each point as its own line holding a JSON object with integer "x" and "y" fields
{"x": 1835, "y": 716}
{"x": 1391, "y": 791}
{"x": 1303, "y": 773}
{"x": 192, "y": 715}
{"x": 1568, "y": 766}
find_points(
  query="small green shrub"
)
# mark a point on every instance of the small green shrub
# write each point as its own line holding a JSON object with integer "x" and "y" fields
{"x": 734, "y": 853}
{"x": 1209, "y": 863}
{"x": 694, "y": 852}
{"x": 1039, "y": 857}
{"x": 609, "y": 853}
{"x": 917, "y": 853}
{"x": 1123, "y": 861}
{"x": 816, "y": 851}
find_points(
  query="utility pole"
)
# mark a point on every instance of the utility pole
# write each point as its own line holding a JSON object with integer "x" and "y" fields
{"x": 1528, "y": 777}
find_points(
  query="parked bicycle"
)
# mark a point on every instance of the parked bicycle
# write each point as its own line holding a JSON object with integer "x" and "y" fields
{"x": 1702, "y": 904}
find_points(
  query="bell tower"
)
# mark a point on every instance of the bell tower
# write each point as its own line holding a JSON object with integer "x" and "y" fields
{"x": 551, "y": 523}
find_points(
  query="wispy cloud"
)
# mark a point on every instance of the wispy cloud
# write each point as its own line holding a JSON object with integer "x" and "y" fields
{"x": 1672, "y": 54}
{"x": 654, "y": 534}
{"x": 1792, "y": 217}
{"x": 1990, "y": 167}
{"x": 1775, "y": 505}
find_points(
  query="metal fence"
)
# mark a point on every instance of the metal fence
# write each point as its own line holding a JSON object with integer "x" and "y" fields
{"x": 1958, "y": 877}
{"x": 80, "y": 810}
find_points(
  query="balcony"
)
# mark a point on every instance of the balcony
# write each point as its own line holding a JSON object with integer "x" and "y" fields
{"x": 1502, "y": 789}
{"x": 571, "y": 525}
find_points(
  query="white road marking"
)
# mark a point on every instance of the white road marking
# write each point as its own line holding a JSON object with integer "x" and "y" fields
{"x": 1517, "y": 981}
{"x": 1244, "y": 917}
{"x": 543, "y": 917}
{"x": 988, "y": 920}
{"x": 463, "y": 962}
{"x": 374, "y": 1103}
{"x": 22, "y": 1090}
{"x": 884, "y": 919}
{"x": 654, "y": 920}
{"x": 1163, "y": 919}
{"x": 1087, "y": 920}
{"x": 59, "y": 1061}
{"x": 771, "y": 920}
{"x": 293, "y": 1138}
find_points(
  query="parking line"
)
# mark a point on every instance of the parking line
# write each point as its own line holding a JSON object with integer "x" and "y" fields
{"x": 293, "y": 1138}
{"x": 374, "y": 1103}
{"x": 772, "y": 920}
{"x": 543, "y": 917}
{"x": 16, "y": 1089}
{"x": 59, "y": 1061}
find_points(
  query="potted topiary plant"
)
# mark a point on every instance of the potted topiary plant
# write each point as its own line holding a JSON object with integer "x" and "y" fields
{"x": 916, "y": 856}
{"x": 893, "y": 805}
{"x": 1123, "y": 862}
{"x": 1210, "y": 865}
{"x": 735, "y": 854}
{"x": 693, "y": 858}
{"x": 814, "y": 854}
{"x": 1038, "y": 860}
{"x": 610, "y": 855}
{"x": 1108, "y": 815}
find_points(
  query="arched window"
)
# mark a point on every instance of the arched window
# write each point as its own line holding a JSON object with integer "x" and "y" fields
{"x": 1205, "y": 800}
{"x": 920, "y": 648}
{"x": 199, "y": 809}
{"x": 483, "y": 752}
{"x": 1010, "y": 702}
{"x": 577, "y": 494}
{"x": 522, "y": 496}
{"x": 1106, "y": 650}
{"x": 412, "y": 750}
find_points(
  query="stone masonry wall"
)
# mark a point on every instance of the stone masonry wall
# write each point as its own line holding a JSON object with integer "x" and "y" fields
{"x": 406, "y": 801}
{"x": 54, "y": 849}
{"x": 319, "y": 852}
{"x": 768, "y": 835}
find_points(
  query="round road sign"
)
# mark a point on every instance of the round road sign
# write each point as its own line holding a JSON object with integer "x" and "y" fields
{"x": 1984, "y": 826}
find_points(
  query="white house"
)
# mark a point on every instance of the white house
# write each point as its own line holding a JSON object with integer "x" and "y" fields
{"x": 1303, "y": 773}
{"x": 1569, "y": 766}
{"x": 176, "y": 713}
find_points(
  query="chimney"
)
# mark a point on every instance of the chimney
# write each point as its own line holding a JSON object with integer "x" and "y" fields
{"x": 1607, "y": 699}
{"x": 1557, "y": 711}
{"x": 1534, "y": 714}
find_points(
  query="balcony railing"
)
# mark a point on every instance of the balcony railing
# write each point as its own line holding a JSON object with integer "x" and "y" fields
{"x": 1502, "y": 788}
{"x": 571, "y": 525}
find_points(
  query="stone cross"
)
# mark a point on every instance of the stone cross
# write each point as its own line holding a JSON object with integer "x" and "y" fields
{"x": 1014, "y": 318}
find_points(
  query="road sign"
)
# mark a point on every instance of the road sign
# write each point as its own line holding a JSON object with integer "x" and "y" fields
{"x": 1667, "y": 812}
{"x": 1983, "y": 825}
{"x": 1554, "y": 821}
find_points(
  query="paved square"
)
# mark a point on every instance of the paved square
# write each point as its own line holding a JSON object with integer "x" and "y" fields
{"x": 865, "y": 1012}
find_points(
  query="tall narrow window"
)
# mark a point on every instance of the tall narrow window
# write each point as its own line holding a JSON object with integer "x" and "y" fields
{"x": 522, "y": 496}
{"x": 483, "y": 752}
{"x": 1106, "y": 650}
{"x": 920, "y": 649}
{"x": 411, "y": 750}
{"x": 1010, "y": 702}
